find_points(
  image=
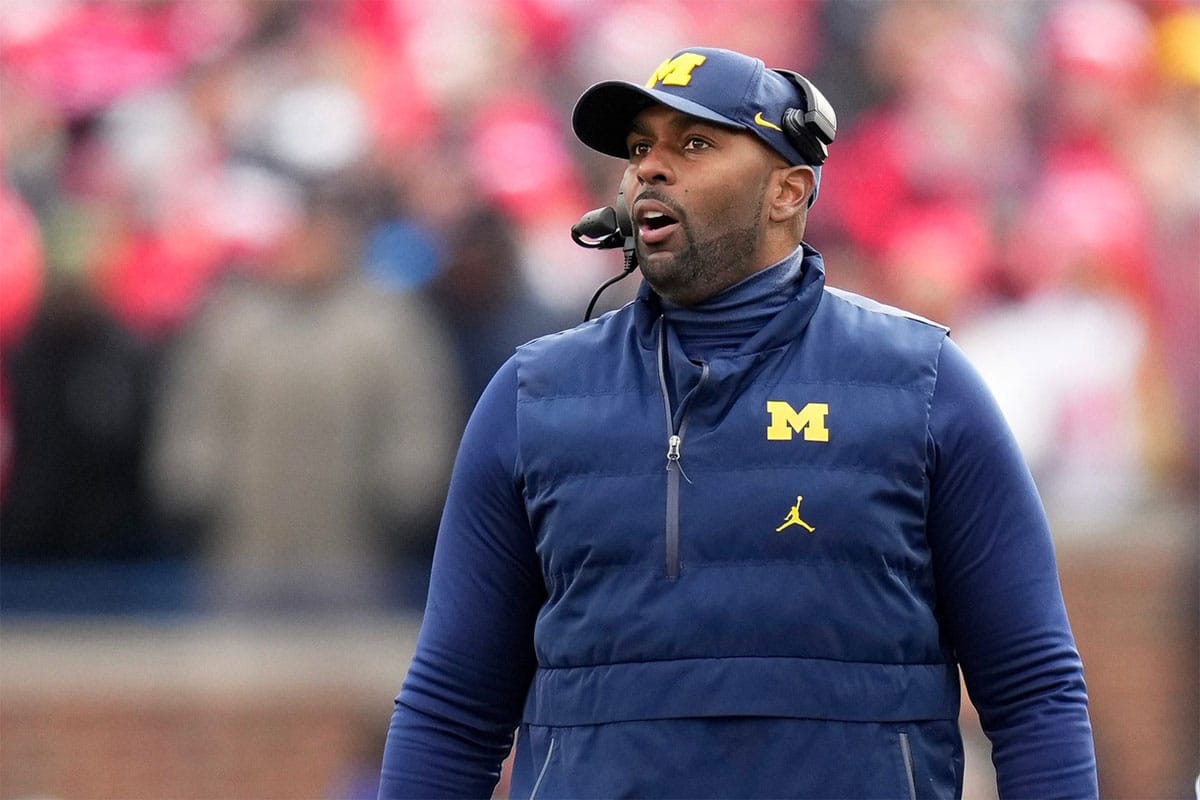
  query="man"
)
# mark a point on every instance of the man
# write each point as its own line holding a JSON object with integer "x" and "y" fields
{"x": 306, "y": 424}
{"x": 614, "y": 574}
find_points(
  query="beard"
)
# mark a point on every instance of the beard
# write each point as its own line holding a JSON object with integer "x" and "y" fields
{"x": 702, "y": 268}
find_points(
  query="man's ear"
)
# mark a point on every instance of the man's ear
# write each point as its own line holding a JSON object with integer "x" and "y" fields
{"x": 794, "y": 185}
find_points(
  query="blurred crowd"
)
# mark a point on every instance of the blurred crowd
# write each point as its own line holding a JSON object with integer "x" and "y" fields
{"x": 259, "y": 257}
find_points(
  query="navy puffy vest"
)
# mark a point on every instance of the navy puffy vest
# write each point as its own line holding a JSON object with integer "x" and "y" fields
{"x": 756, "y": 551}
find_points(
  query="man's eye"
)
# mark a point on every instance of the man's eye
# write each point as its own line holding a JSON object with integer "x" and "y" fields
{"x": 638, "y": 149}
{"x": 696, "y": 143}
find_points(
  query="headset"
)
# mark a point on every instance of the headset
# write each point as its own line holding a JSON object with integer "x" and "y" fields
{"x": 810, "y": 130}
{"x": 813, "y": 128}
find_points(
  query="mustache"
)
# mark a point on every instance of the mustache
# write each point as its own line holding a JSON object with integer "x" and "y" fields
{"x": 651, "y": 194}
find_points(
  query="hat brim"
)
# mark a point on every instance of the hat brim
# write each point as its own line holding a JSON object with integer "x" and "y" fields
{"x": 604, "y": 114}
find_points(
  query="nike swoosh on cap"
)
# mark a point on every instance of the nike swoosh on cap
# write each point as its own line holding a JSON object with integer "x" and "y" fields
{"x": 758, "y": 119}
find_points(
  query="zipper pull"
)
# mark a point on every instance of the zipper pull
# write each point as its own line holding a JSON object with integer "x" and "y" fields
{"x": 673, "y": 455}
{"x": 673, "y": 450}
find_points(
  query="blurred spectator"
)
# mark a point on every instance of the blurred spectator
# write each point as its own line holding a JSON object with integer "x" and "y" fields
{"x": 21, "y": 277}
{"x": 483, "y": 297}
{"x": 401, "y": 255}
{"x": 936, "y": 260}
{"x": 307, "y": 425}
{"x": 1067, "y": 369}
{"x": 1077, "y": 360}
{"x": 21, "y": 269}
{"x": 80, "y": 387}
{"x": 1167, "y": 168}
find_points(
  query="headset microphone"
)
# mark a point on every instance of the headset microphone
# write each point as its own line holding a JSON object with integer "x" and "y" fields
{"x": 598, "y": 230}
{"x": 606, "y": 228}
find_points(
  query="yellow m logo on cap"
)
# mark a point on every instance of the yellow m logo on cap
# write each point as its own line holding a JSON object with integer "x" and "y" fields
{"x": 676, "y": 71}
{"x": 786, "y": 421}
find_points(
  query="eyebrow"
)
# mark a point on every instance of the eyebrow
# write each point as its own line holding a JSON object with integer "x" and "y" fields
{"x": 679, "y": 121}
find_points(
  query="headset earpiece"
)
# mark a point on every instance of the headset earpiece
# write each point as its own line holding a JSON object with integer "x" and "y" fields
{"x": 813, "y": 128}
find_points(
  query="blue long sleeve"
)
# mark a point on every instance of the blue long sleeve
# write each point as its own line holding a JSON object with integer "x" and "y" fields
{"x": 463, "y": 695}
{"x": 999, "y": 594}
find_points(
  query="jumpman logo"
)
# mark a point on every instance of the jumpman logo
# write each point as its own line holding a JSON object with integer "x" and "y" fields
{"x": 793, "y": 518}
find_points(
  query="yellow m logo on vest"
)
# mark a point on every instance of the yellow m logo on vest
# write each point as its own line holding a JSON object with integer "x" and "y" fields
{"x": 787, "y": 421}
{"x": 676, "y": 71}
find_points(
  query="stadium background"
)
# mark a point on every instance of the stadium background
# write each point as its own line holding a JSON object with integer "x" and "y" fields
{"x": 1028, "y": 173}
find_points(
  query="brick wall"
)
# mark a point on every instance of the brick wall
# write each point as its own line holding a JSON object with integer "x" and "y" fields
{"x": 77, "y": 747}
{"x": 1134, "y": 612}
{"x": 195, "y": 710}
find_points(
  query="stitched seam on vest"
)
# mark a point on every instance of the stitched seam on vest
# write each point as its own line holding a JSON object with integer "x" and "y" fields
{"x": 892, "y": 664}
{"x": 765, "y": 466}
{"x": 564, "y": 576}
{"x": 545, "y": 398}
{"x": 870, "y": 569}
{"x": 917, "y": 386}
{"x": 886, "y": 472}
{"x": 560, "y": 478}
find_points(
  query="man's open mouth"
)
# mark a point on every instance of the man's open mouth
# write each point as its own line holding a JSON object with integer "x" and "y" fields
{"x": 656, "y": 219}
{"x": 655, "y": 225}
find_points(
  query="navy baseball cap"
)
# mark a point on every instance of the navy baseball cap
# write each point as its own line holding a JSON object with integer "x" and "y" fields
{"x": 716, "y": 85}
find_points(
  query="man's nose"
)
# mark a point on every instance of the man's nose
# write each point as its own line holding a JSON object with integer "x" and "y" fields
{"x": 655, "y": 167}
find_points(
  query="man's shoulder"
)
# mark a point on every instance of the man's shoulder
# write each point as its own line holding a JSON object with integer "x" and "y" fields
{"x": 593, "y": 333}
{"x": 587, "y": 358}
{"x": 866, "y": 337}
{"x": 885, "y": 312}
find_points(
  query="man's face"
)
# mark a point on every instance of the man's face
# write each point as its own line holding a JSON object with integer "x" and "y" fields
{"x": 697, "y": 196}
